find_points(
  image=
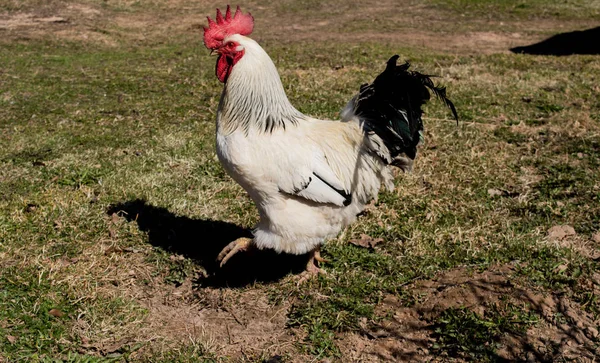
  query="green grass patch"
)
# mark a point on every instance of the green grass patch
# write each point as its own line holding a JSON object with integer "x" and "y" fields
{"x": 462, "y": 333}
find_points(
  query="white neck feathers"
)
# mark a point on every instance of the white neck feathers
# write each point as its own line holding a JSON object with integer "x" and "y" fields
{"x": 253, "y": 97}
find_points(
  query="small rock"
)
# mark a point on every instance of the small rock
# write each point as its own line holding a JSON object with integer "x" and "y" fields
{"x": 495, "y": 192}
{"x": 52, "y": 19}
{"x": 115, "y": 218}
{"x": 31, "y": 207}
{"x": 57, "y": 313}
{"x": 492, "y": 192}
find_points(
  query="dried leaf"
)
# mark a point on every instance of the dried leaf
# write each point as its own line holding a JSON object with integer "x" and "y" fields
{"x": 57, "y": 313}
{"x": 11, "y": 339}
{"x": 366, "y": 241}
{"x": 561, "y": 268}
{"x": 68, "y": 261}
{"x": 117, "y": 249}
{"x": 596, "y": 237}
{"x": 114, "y": 347}
{"x": 561, "y": 232}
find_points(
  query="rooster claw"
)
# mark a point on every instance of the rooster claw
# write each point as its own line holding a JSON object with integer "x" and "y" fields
{"x": 311, "y": 268}
{"x": 317, "y": 257}
{"x": 240, "y": 244}
{"x": 310, "y": 272}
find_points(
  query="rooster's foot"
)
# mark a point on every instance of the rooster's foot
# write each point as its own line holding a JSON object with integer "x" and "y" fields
{"x": 312, "y": 269}
{"x": 240, "y": 244}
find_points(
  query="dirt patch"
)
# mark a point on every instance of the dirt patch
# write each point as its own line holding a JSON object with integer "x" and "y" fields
{"x": 57, "y": 20}
{"x": 564, "y": 329}
{"x": 228, "y": 322}
{"x": 465, "y": 43}
{"x": 416, "y": 26}
{"x": 566, "y": 237}
{"x": 29, "y": 20}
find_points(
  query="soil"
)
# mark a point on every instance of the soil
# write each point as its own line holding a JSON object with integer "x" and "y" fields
{"x": 407, "y": 336}
{"x": 229, "y": 322}
{"x": 244, "y": 323}
{"x": 100, "y": 25}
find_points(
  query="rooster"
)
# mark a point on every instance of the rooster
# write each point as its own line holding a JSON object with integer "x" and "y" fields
{"x": 309, "y": 178}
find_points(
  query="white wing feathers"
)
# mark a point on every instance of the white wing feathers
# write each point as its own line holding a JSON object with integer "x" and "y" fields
{"x": 320, "y": 184}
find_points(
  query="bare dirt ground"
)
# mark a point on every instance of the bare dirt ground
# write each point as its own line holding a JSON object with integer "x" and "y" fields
{"x": 408, "y": 335}
{"x": 415, "y": 26}
{"x": 244, "y": 322}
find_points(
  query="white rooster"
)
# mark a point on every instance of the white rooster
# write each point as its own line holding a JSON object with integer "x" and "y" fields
{"x": 309, "y": 178}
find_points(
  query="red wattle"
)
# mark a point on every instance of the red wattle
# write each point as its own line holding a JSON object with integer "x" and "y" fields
{"x": 223, "y": 68}
{"x": 225, "y": 63}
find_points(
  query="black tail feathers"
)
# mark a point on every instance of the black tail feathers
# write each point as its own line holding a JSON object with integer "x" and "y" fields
{"x": 390, "y": 107}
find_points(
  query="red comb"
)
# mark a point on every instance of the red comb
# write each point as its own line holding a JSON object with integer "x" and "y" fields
{"x": 228, "y": 25}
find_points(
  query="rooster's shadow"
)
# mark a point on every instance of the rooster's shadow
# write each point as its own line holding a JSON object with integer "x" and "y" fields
{"x": 201, "y": 240}
{"x": 575, "y": 42}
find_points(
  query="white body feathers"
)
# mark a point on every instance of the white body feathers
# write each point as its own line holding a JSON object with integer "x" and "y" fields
{"x": 309, "y": 178}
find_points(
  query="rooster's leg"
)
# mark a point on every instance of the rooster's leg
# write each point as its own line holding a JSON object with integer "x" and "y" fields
{"x": 240, "y": 244}
{"x": 311, "y": 266}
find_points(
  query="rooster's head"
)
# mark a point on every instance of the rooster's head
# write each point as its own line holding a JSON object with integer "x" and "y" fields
{"x": 217, "y": 38}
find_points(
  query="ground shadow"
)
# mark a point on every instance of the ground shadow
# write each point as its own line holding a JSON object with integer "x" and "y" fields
{"x": 576, "y": 42}
{"x": 202, "y": 239}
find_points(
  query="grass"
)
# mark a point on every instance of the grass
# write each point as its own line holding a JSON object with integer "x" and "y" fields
{"x": 464, "y": 333}
{"x": 86, "y": 127}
